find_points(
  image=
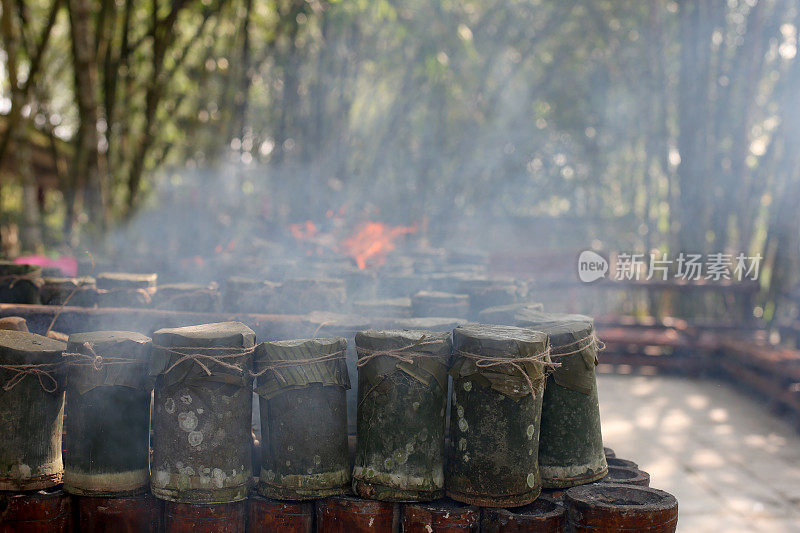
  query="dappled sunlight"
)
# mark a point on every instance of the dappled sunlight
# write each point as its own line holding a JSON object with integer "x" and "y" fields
{"x": 732, "y": 465}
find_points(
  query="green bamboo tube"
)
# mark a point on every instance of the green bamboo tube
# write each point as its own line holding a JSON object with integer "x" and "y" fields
{"x": 202, "y": 409}
{"x": 108, "y": 414}
{"x": 571, "y": 442}
{"x": 31, "y": 411}
{"x": 498, "y": 384}
{"x": 301, "y": 386}
{"x": 402, "y": 379}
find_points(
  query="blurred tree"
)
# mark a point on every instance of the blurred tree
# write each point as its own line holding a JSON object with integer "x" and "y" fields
{"x": 665, "y": 124}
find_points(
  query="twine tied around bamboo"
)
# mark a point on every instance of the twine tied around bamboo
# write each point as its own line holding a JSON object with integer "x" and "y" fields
{"x": 81, "y": 286}
{"x": 42, "y": 371}
{"x": 406, "y": 354}
{"x": 589, "y": 341}
{"x": 94, "y": 360}
{"x": 275, "y": 366}
{"x": 489, "y": 361}
{"x": 196, "y": 355}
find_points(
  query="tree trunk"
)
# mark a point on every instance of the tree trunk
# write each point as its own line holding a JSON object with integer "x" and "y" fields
{"x": 88, "y": 175}
{"x": 18, "y": 129}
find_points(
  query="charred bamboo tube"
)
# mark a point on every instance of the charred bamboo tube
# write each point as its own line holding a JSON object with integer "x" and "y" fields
{"x": 31, "y": 411}
{"x": 80, "y": 292}
{"x": 430, "y": 323}
{"x": 402, "y": 379}
{"x": 128, "y": 514}
{"x": 301, "y": 295}
{"x": 244, "y": 295}
{"x": 391, "y": 308}
{"x": 345, "y": 514}
{"x": 401, "y": 285}
{"x": 121, "y": 289}
{"x": 545, "y": 515}
{"x": 626, "y": 476}
{"x": 433, "y": 303}
{"x": 507, "y": 314}
{"x": 190, "y": 297}
{"x": 108, "y": 413}
{"x": 209, "y": 518}
{"x": 489, "y": 292}
{"x": 607, "y": 508}
{"x": 273, "y": 516}
{"x": 615, "y": 461}
{"x": 498, "y": 383}
{"x": 571, "y": 442}
{"x": 44, "y": 511}
{"x": 202, "y": 411}
{"x": 301, "y": 386}
{"x": 442, "y": 516}
{"x": 20, "y": 283}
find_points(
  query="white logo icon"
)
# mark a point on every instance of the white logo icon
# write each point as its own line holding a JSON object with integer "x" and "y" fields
{"x": 591, "y": 266}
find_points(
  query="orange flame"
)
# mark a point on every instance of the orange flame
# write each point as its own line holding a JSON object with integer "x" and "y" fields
{"x": 304, "y": 231}
{"x": 372, "y": 241}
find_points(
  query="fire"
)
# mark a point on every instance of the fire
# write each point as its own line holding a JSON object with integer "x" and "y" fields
{"x": 304, "y": 231}
{"x": 372, "y": 241}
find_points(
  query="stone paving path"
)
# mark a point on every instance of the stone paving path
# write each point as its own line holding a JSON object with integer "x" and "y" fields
{"x": 733, "y": 466}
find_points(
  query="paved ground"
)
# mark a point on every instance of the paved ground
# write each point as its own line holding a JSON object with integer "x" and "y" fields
{"x": 732, "y": 465}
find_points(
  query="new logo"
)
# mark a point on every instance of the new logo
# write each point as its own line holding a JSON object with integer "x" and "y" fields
{"x": 591, "y": 266}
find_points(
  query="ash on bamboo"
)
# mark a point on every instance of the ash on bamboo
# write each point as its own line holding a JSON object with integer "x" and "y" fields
{"x": 202, "y": 408}
{"x": 31, "y": 411}
{"x": 498, "y": 383}
{"x": 402, "y": 379}
{"x": 108, "y": 413}
{"x": 301, "y": 386}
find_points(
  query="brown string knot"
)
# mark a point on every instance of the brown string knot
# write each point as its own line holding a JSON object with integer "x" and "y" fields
{"x": 196, "y": 355}
{"x": 274, "y": 366}
{"x": 489, "y": 361}
{"x": 95, "y": 361}
{"x": 589, "y": 341}
{"x": 42, "y": 371}
{"x": 406, "y": 354}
